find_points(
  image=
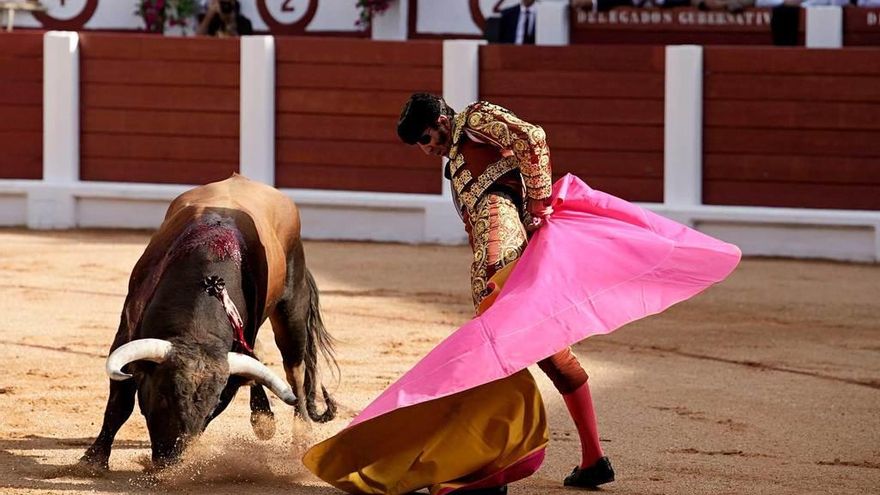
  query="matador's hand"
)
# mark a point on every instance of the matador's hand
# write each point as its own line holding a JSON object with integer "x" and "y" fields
{"x": 539, "y": 210}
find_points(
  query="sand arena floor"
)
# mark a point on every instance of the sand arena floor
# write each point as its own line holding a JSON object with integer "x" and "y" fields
{"x": 768, "y": 383}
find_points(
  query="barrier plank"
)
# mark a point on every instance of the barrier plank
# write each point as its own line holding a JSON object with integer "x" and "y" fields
{"x": 342, "y": 51}
{"x": 356, "y": 77}
{"x": 21, "y": 93}
{"x": 28, "y": 163}
{"x": 544, "y": 111}
{"x": 18, "y": 69}
{"x": 22, "y": 45}
{"x": 21, "y": 118}
{"x": 146, "y": 47}
{"x": 332, "y": 127}
{"x": 792, "y": 168}
{"x": 590, "y": 164}
{"x": 160, "y": 123}
{"x": 620, "y": 58}
{"x": 391, "y": 156}
{"x": 604, "y": 137}
{"x": 629, "y": 188}
{"x": 124, "y": 96}
{"x": 161, "y": 72}
{"x": 133, "y": 146}
{"x": 792, "y": 114}
{"x": 21, "y": 144}
{"x": 156, "y": 171}
{"x": 356, "y": 178}
{"x": 341, "y": 102}
{"x": 792, "y": 195}
{"x": 584, "y": 84}
{"x": 783, "y": 60}
{"x": 804, "y": 87}
{"x": 791, "y": 142}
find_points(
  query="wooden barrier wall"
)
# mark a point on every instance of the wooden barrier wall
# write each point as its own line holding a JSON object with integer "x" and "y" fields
{"x": 21, "y": 106}
{"x": 338, "y": 101}
{"x": 789, "y": 127}
{"x": 601, "y": 106}
{"x": 158, "y": 109}
{"x": 861, "y": 27}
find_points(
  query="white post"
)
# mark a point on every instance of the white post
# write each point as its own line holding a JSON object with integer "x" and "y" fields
{"x": 60, "y": 107}
{"x": 393, "y": 24}
{"x": 877, "y": 242}
{"x": 683, "y": 127}
{"x": 824, "y": 27}
{"x": 552, "y": 26}
{"x": 54, "y": 206}
{"x": 461, "y": 87}
{"x": 461, "y": 77}
{"x": 257, "y": 109}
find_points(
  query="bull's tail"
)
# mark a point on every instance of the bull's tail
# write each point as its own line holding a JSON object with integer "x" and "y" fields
{"x": 318, "y": 340}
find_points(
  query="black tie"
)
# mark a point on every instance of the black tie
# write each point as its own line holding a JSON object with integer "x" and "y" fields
{"x": 529, "y": 28}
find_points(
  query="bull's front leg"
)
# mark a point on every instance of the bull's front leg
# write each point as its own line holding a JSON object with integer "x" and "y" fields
{"x": 120, "y": 404}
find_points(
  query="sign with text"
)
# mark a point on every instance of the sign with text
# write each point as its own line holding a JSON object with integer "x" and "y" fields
{"x": 673, "y": 25}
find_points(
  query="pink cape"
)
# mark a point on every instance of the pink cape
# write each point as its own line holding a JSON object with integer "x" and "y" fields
{"x": 599, "y": 263}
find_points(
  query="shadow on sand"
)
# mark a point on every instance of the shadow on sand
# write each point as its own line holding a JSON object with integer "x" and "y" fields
{"x": 22, "y": 461}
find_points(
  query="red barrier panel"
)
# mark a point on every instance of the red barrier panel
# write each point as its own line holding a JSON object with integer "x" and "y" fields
{"x": 792, "y": 127}
{"x": 338, "y": 101}
{"x": 158, "y": 109}
{"x": 21, "y": 106}
{"x": 861, "y": 27}
{"x": 601, "y": 106}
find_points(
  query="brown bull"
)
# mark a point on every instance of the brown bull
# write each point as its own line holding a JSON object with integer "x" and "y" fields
{"x": 227, "y": 256}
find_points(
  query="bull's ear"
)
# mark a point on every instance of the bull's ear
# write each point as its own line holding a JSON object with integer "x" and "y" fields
{"x": 155, "y": 350}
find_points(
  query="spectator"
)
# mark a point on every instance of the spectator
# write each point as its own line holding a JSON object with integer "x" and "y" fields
{"x": 223, "y": 18}
{"x": 518, "y": 23}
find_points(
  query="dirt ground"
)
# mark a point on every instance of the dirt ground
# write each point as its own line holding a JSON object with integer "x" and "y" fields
{"x": 766, "y": 383}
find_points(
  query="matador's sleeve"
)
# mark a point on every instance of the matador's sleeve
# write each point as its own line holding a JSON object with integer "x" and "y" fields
{"x": 514, "y": 136}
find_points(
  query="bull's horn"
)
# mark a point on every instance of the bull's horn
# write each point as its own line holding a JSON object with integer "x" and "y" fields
{"x": 155, "y": 350}
{"x": 240, "y": 364}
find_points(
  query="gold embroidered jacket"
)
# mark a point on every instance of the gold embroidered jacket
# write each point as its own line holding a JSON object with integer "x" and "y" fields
{"x": 489, "y": 141}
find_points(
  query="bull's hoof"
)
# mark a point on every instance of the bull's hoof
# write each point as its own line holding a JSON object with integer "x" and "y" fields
{"x": 263, "y": 423}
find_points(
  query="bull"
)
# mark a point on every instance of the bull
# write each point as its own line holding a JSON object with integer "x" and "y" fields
{"x": 227, "y": 256}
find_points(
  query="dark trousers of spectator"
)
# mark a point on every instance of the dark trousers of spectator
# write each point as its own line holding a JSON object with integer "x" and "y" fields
{"x": 785, "y": 22}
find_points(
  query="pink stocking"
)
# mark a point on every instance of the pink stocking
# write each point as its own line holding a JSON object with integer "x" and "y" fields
{"x": 580, "y": 406}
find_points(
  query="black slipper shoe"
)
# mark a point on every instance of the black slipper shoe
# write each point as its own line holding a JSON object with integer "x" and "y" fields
{"x": 591, "y": 477}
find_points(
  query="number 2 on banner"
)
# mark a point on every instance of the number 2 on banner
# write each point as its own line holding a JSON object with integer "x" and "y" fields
{"x": 285, "y": 7}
